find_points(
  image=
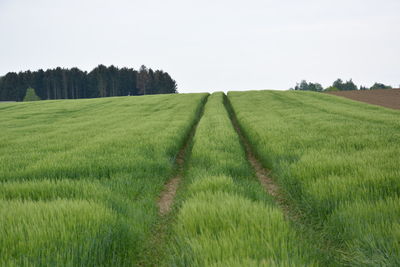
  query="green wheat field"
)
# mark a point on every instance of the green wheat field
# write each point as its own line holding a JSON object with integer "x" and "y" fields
{"x": 80, "y": 181}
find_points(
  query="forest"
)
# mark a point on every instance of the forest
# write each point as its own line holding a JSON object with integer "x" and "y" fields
{"x": 102, "y": 81}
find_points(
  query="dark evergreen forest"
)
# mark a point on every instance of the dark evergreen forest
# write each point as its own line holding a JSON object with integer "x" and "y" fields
{"x": 60, "y": 83}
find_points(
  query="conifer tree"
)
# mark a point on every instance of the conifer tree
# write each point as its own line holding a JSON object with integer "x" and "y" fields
{"x": 31, "y": 95}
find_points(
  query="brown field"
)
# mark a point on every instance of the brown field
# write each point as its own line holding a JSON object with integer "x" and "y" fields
{"x": 389, "y": 98}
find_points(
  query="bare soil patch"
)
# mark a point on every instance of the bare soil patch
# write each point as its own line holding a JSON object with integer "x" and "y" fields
{"x": 261, "y": 173}
{"x": 389, "y": 98}
{"x": 168, "y": 195}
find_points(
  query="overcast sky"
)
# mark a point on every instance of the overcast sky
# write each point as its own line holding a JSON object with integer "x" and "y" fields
{"x": 209, "y": 45}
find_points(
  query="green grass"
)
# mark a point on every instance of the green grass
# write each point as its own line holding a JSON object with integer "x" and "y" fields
{"x": 225, "y": 218}
{"x": 80, "y": 178}
{"x": 338, "y": 162}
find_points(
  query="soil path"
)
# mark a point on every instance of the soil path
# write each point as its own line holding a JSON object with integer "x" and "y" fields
{"x": 167, "y": 196}
{"x": 269, "y": 185}
{"x": 154, "y": 252}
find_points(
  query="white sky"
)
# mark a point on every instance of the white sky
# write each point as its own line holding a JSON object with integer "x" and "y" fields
{"x": 209, "y": 45}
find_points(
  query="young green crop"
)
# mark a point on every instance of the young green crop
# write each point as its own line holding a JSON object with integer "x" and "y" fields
{"x": 338, "y": 160}
{"x": 79, "y": 179}
{"x": 226, "y": 218}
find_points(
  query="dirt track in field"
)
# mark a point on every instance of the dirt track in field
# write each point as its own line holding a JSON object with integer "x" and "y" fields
{"x": 263, "y": 175}
{"x": 154, "y": 252}
{"x": 389, "y": 98}
{"x": 167, "y": 196}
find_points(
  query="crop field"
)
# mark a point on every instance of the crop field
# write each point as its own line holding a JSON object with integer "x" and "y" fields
{"x": 337, "y": 162}
{"x": 260, "y": 178}
{"x": 226, "y": 218}
{"x": 79, "y": 179}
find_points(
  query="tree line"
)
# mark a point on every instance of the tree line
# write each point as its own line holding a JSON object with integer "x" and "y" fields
{"x": 102, "y": 81}
{"x": 338, "y": 85}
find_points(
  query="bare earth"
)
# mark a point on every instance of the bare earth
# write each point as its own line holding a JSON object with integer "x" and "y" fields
{"x": 389, "y": 98}
{"x": 168, "y": 195}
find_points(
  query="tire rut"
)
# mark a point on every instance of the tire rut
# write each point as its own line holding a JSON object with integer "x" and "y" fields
{"x": 324, "y": 248}
{"x": 154, "y": 251}
{"x": 263, "y": 175}
{"x": 167, "y": 196}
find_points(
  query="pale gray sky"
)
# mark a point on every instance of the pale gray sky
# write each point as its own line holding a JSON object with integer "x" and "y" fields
{"x": 209, "y": 45}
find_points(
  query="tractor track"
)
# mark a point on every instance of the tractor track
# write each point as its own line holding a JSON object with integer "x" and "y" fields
{"x": 262, "y": 174}
{"x": 155, "y": 250}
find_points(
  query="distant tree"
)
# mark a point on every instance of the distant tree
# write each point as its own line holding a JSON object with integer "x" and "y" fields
{"x": 338, "y": 84}
{"x": 344, "y": 86}
{"x": 143, "y": 80}
{"x": 9, "y": 87}
{"x": 304, "y": 86}
{"x": 37, "y": 81}
{"x": 167, "y": 84}
{"x": 349, "y": 85}
{"x": 31, "y": 95}
{"x": 127, "y": 78}
{"x": 380, "y": 86}
{"x": 151, "y": 83}
{"x": 113, "y": 80}
{"x": 77, "y": 83}
{"x": 315, "y": 87}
